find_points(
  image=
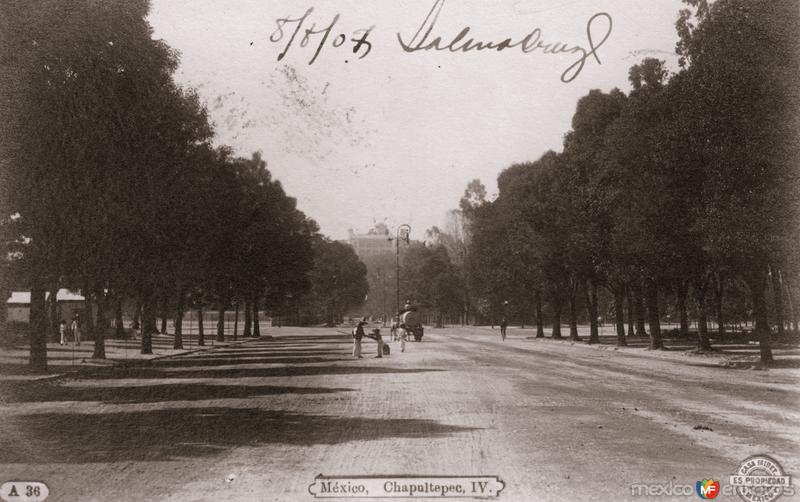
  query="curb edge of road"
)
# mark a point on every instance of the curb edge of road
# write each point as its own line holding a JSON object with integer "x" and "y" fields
{"x": 719, "y": 359}
{"x": 122, "y": 363}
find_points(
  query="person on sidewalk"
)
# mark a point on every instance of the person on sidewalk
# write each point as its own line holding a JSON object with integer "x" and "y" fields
{"x": 503, "y": 326}
{"x": 76, "y": 329}
{"x": 62, "y": 330}
{"x": 358, "y": 334}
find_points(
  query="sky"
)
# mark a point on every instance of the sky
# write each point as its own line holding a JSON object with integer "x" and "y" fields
{"x": 394, "y": 136}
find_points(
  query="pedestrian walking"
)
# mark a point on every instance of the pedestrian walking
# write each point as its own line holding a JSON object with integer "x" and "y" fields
{"x": 76, "y": 329}
{"x": 503, "y": 326}
{"x": 358, "y": 334}
{"x": 403, "y": 336}
{"x": 62, "y": 330}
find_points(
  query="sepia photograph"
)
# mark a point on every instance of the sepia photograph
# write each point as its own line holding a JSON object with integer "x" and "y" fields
{"x": 503, "y": 250}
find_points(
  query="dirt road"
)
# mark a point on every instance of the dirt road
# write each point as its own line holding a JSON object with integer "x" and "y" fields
{"x": 261, "y": 420}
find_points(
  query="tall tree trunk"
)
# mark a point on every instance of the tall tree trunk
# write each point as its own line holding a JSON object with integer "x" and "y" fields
{"x": 221, "y": 322}
{"x": 651, "y": 298}
{"x": 539, "y": 318}
{"x": 100, "y": 329}
{"x": 682, "y": 290}
{"x": 148, "y": 324}
{"x": 719, "y": 291}
{"x": 619, "y": 315}
{"x": 256, "y": 320}
{"x": 180, "y": 308}
{"x": 792, "y": 307}
{"x": 777, "y": 295}
{"x": 236, "y": 320}
{"x": 639, "y": 304}
{"x": 53, "y": 320}
{"x": 573, "y": 317}
{"x": 557, "y": 320}
{"x": 248, "y": 318}
{"x": 756, "y": 282}
{"x": 37, "y": 326}
{"x": 149, "y": 315}
{"x": 137, "y": 314}
{"x": 201, "y": 337}
{"x": 703, "y": 342}
{"x": 591, "y": 304}
{"x": 119, "y": 330}
{"x": 87, "y": 320}
{"x": 631, "y": 314}
{"x": 164, "y": 313}
{"x": 4, "y": 294}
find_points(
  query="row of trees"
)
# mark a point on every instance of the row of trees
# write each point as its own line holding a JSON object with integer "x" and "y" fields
{"x": 687, "y": 185}
{"x": 110, "y": 183}
{"x": 685, "y": 188}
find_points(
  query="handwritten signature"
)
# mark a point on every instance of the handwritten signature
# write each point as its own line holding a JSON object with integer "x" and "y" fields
{"x": 424, "y": 39}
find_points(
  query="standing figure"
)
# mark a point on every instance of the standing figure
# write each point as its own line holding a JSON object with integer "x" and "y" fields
{"x": 402, "y": 335}
{"x": 76, "y": 329}
{"x": 358, "y": 334}
{"x": 503, "y": 326}
{"x": 376, "y": 335}
{"x": 62, "y": 330}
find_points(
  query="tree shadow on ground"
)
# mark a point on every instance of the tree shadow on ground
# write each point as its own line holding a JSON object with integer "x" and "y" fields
{"x": 244, "y": 354}
{"x": 152, "y": 393}
{"x": 329, "y": 338}
{"x": 235, "y": 361}
{"x": 166, "y": 434}
{"x": 164, "y": 371}
{"x": 53, "y": 367}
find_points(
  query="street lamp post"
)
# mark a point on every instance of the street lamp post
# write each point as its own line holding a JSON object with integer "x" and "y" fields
{"x": 382, "y": 284}
{"x": 383, "y": 279}
{"x": 402, "y": 233}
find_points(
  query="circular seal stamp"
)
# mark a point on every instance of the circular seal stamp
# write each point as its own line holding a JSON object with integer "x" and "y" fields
{"x": 760, "y": 478}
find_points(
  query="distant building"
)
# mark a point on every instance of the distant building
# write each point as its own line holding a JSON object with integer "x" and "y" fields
{"x": 376, "y": 242}
{"x": 18, "y": 307}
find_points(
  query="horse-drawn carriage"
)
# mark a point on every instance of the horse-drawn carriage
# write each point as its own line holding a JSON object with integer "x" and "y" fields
{"x": 407, "y": 325}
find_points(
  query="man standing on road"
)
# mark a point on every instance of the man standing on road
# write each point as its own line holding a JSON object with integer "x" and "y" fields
{"x": 503, "y": 326}
{"x": 62, "y": 330}
{"x": 376, "y": 335}
{"x": 76, "y": 329}
{"x": 358, "y": 334}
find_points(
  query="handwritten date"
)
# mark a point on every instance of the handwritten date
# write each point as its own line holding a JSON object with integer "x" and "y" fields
{"x": 292, "y": 27}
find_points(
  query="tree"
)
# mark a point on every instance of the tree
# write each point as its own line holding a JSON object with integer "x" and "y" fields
{"x": 84, "y": 131}
{"x": 741, "y": 59}
{"x": 592, "y": 208}
{"x": 431, "y": 280}
{"x": 338, "y": 283}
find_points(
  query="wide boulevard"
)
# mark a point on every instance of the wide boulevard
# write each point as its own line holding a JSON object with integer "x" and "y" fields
{"x": 260, "y": 420}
